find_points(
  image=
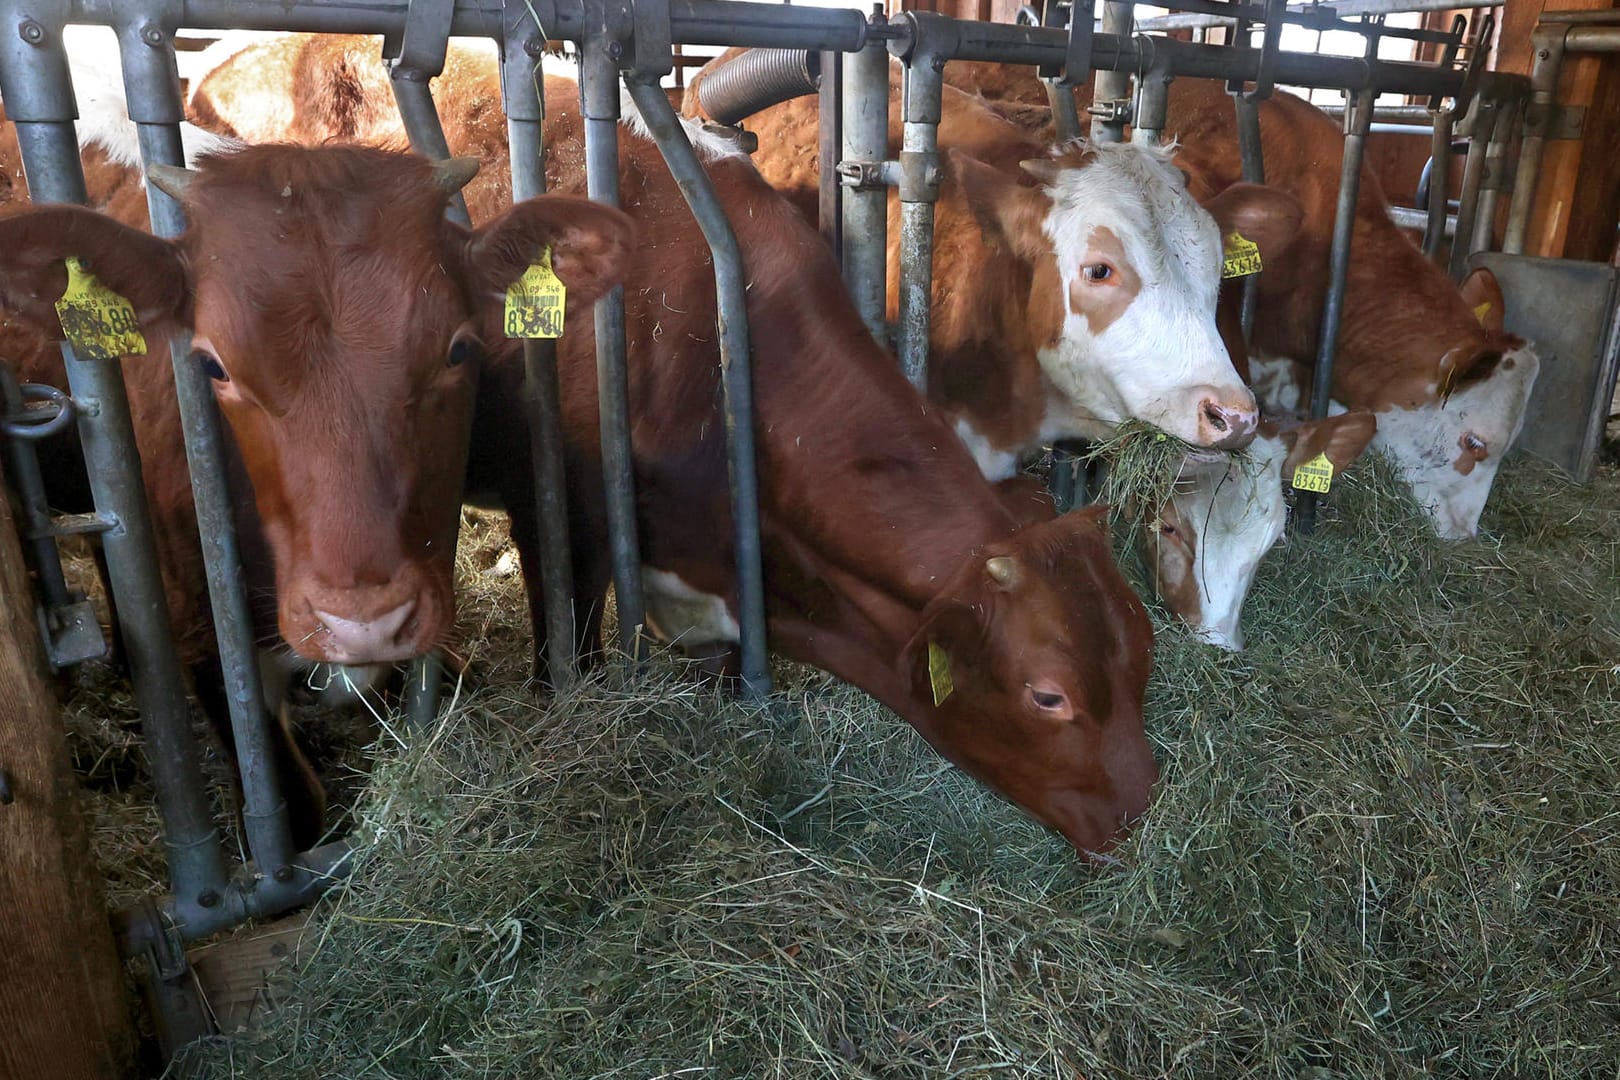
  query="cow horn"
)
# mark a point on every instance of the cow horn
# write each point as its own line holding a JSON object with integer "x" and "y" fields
{"x": 453, "y": 174}
{"x": 1043, "y": 169}
{"x": 172, "y": 180}
{"x": 1003, "y": 570}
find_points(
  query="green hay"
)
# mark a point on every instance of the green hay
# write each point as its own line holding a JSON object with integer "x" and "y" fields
{"x": 1141, "y": 466}
{"x": 1386, "y": 844}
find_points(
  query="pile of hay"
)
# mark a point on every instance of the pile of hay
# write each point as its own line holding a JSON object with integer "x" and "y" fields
{"x": 1386, "y": 843}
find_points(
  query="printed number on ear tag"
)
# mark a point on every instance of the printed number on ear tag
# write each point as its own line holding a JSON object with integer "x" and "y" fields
{"x": 1240, "y": 258}
{"x": 97, "y": 322}
{"x": 1315, "y": 475}
{"x": 939, "y": 673}
{"x": 534, "y": 302}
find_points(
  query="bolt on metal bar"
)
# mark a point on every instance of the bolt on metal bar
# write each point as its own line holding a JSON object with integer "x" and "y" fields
{"x": 599, "y": 104}
{"x": 1549, "y": 44}
{"x": 1357, "y": 122}
{"x": 523, "y": 91}
{"x": 731, "y": 300}
{"x": 919, "y": 189}
{"x": 38, "y": 91}
{"x": 866, "y": 213}
{"x": 152, "y": 89}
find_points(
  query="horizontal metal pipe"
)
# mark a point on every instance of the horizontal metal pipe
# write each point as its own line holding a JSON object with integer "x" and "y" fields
{"x": 1597, "y": 39}
{"x": 1343, "y": 9}
{"x": 1408, "y": 218}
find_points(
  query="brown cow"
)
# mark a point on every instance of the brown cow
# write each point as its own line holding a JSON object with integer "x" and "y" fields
{"x": 1020, "y": 654}
{"x": 333, "y": 307}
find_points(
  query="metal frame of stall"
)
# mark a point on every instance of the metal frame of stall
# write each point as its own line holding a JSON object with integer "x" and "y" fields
{"x": 617, "y": 39}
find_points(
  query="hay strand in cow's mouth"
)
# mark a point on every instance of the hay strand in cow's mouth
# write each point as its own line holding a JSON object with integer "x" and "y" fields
{"x": 1141, "y": 464}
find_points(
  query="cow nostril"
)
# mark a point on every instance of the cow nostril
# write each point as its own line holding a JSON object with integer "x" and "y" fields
{"x": 1215, "y": 415}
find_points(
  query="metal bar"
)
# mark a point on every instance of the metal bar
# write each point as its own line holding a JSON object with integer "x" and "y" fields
{"x": 1355, "y": 145}
{"x": 1495, "y": 173}
{"x": 421, "y": 119}
{"x": 1110, "y": 99}
{"x": 1594, "y": 39}
{"x": 37, "y": 88}
{"x": 30, "y": 487}
{"x": 1439, "y": 184}
{"x": 524, "y": 95}
{"x": 599, "y": 104}
{"x": 866, "y": 213}
{"x": 919, "y": 188}
{"x": 1152, "y": 102}
{"x": 1473, "y": 178}
{"x": 1343, "y": 9}
{"x": 1408, "y": 218}
{"x": 1548, "y": 44}
{"x": 1254, "y": 172}
{"x": 829, "y": 143}
{"x": 732, "y": 309}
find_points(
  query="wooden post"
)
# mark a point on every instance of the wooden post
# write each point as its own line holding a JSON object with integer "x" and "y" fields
{"x": 62, "y": 1008}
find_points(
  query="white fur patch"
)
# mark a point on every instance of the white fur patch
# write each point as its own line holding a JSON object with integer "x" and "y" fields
{"x": 683, "y": 616}
{"x": 994, "y": 463}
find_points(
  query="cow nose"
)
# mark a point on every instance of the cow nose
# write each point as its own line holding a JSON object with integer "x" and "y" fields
{"x": 360, "y": 641}
{"x": 1223, "y": 427}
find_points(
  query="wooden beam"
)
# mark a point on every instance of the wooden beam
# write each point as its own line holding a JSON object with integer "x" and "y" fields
{"x": 62, "y": 1005}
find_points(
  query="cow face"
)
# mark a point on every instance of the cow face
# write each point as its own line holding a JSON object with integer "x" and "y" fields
{"x": 1035, "y": 656}
{"x": 1224, "y": 517}
{"x": 341, "y": 319}
{"x": 1126, "y": 267}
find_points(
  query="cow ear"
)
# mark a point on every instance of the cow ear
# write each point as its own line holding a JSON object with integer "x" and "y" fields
{"x": 1483, "y": 295}
{"x": 1342, "y": 438}
{"x": 590, "y": 246}
{"x": 1270, "y": 217}
{"x": 1009, "y": 213}
{"x": 945, "y": 647}
{"x": 145, "y": 270}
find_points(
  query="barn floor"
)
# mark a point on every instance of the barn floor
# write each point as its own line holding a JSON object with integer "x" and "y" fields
{"x": 1387, "y": 843}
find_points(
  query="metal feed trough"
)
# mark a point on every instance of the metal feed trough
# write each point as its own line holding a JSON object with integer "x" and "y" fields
{"x": 618, "y": 40}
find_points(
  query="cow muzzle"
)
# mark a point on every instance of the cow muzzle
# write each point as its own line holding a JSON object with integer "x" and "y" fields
{"x": 377, "y": 625}
{"x": 1227, "y": 423}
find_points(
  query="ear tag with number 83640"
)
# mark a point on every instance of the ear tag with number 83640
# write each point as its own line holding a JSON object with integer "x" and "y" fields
{"x": 97, "y": 322}
{"x": 534, "y": 302}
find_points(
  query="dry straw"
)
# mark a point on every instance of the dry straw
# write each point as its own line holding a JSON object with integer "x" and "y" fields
{"x": 1384, "y": 845}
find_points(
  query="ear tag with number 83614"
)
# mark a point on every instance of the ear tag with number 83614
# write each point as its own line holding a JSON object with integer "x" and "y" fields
{"x": 97, "y": 322}
{"x": 534, "y": 302}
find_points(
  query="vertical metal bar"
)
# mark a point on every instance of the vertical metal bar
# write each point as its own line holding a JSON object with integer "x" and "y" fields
{"x": 829, "y": 144}
{"x": 1152, "y": 103}
{"x": 1358, "y": 120}
{"x": 732, "y": 310}
{"x": 1113, "y": 87}
{"x": 152, "y": 89}
{"x": 1473, "y": 178}
{"x": 1549, "y": 53}
{"x": 1254, "y": 172}
{"x": 1434, "y": 229}
{"x": 866, "y": 210}
{"x": 36, "y": 511}
{"x": 1491, "y": 183}
{"x": 524, "y": 94}
{"x": 1059, "y": 82}
{"x": 919, "y": 188}
{"x": 38, "y": 92}
{"x": 599, "y": 104}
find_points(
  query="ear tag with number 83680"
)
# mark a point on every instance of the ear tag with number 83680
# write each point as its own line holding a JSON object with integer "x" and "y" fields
{"x": 535, "y": 301}
{"x": 97, "y": 322}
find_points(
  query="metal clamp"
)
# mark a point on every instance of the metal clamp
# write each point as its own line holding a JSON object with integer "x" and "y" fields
{"x": 40, "y": 422}
{"x": 418, "y": 53}
{"x": 866, "y": 175}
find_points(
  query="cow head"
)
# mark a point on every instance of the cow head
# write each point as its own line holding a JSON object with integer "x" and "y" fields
{"x": 1224, "y": 517}
{"x": 1034, "y": 658}
{"x": 341, "y": 318}
{"x": 1126, "y": 267}
{"x": 1448, "y": 435}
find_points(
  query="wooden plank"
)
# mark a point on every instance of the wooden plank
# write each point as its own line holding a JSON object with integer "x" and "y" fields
{"x": 62, "y": 1005}
{"x": 235, "y": 974}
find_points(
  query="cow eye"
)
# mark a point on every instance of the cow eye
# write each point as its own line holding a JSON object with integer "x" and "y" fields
{"x": 1167, "y": 529}
{"x": 1098, "y": 272}
{"x": 1048, "y": 701}
{"x": 210, "y": 364}
{"x": 463, "y": 347}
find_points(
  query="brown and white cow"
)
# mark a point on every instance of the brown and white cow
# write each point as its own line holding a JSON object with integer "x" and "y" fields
{"x": 1449, "y": 388}
{"x": 1074, "y": 288}
{"x": 1020, "y": 654}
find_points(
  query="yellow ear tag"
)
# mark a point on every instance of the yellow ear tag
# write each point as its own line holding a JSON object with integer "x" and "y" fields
{"x": 534, "y": 302}
{"x": 97, "y": 322}
{"x": 1314, "y": 475}
{"x": 1482, "y": 310}
{"x": 939, "y": 673}
{"x": 1240, "y": 258}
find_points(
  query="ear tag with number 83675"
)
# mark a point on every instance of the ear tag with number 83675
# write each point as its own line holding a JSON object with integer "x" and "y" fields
{"x": 535, "y": 301}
